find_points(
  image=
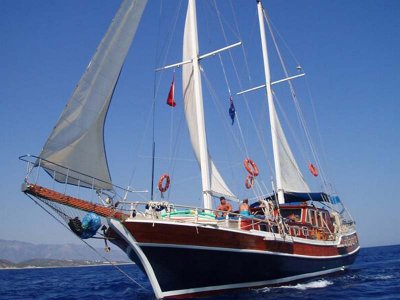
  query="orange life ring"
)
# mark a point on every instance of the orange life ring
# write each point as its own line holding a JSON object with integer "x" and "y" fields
{"x": 251, "y": 167}
{"x": 249, "y": 181}
{"x": 313, "y": 169}
{"x": 161, "y": 187}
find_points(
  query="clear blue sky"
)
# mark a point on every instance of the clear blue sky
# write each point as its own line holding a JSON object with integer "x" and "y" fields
{"x": 349, "y": 50}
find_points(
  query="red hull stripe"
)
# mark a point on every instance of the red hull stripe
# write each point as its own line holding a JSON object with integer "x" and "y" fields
{"x": 160, "y": 233}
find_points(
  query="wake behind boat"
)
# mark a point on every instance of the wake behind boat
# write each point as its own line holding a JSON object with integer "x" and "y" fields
{"x": 288, "y": 234}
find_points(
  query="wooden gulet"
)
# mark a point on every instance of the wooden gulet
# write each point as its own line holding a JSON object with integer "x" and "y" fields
{"x": 290, "y": 235}
{"x": 155, "y": 239}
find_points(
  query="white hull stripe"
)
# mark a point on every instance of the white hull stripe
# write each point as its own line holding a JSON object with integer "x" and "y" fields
{"x": 243, "y": 250}
{"x": 251, "y": 284}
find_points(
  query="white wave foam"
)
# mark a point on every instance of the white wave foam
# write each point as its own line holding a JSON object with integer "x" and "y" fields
{"x": 263, "y": 290}
{"x": 318, "y": 284}
{"x": 383, "y": 277}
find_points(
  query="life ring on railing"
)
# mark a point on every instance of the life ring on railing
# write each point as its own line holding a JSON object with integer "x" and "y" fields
{"x": 249, "y": 181}
{"x": 161, "y": 186}
{"x": 313, "y": 169}
{"x": 251, "y": 167}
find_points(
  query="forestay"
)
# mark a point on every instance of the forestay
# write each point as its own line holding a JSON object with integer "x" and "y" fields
{"x": 77, "y": 141}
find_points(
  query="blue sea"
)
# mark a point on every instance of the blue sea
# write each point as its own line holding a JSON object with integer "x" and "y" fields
{"x": 375, "y": 275}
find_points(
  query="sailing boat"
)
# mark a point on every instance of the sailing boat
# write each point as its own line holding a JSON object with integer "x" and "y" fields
{"x": 291, "y": 234}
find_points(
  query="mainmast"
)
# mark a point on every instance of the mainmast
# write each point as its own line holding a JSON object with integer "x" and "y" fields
{"x": 271, "y": 105}
{"x": 204, "y": 159}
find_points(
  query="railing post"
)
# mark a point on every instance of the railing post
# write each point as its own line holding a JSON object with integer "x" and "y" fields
{"x": 66, "y": 182}
{"x": 79, "y": 188}
{"x": 37, "y": 173}
{"x": 131, "y": 214}
{"x": 29, "y": 168}
{"x": 92, "y": 188}
{"x": 54, "y": 179}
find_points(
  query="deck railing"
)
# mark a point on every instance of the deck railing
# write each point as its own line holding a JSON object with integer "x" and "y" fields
{"x": 162, "y": 210}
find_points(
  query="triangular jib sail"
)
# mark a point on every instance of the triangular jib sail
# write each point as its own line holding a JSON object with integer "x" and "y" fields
{"x": 212, "y": 181}
{"x": 76, "y": 145}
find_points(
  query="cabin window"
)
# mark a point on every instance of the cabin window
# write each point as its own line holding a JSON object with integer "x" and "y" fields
{"x": 291, "y": 214}
{"x": 324, "y": 219}
{"x": 312, "y": 217}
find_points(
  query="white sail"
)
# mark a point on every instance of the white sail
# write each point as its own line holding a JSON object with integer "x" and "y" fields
{"x": 287, "y": 172}
{"x": 212, "y": 181}
{"x": 291, "y": 177}
{"x": 77, "y": 141}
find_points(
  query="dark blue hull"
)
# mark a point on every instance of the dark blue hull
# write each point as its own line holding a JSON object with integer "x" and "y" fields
{"x": 188, "y": 269}
{"x": 182, "y": 260}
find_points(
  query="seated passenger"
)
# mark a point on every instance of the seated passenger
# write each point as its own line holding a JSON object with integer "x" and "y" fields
{"x": 224, "y": 206}
{"x": 244, "y": 208}
{"x": 294, "y": 217}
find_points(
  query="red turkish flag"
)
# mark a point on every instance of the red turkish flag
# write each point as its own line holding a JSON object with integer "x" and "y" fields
{"x": 170, "y": 99}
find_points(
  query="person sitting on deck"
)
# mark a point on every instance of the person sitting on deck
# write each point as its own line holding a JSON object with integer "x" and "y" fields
{"x": 225, "y": 207}
{"x": 244, "y": 208}
{"x": 294, "y": 217}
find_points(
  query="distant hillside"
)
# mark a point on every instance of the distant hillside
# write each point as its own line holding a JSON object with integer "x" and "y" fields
{"x": 6, "y": 264}
{"x": 17, "y": 252}
{"x": 46, "y": 263}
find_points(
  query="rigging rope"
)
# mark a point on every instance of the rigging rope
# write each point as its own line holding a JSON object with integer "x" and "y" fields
{"x": 259, "y": 136}
{"x": 321, "y": 169}
{"x": 87, "y": 244}
{"x": 239, "y": 35}
{"x": 295, "y": 100}
{"x": 156, "y": 84}
{"x": 227, "y": 128}
{"x": 259, "y": 133}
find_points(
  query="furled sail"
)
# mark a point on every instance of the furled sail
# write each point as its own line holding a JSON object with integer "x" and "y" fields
{"x": 194, "y": 113}
{"x": 74, "y": 153}
{"x": 292, "y": 179}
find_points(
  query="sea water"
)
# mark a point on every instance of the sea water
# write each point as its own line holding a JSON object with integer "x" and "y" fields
{"x": 375, "y": 275}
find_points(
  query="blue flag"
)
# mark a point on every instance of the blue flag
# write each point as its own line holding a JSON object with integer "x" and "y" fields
{"x": 335, "y": 199}
{"x": 232, "y": 110}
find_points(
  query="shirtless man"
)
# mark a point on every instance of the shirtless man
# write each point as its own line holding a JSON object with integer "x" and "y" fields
{"x": 224, "y": 206}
